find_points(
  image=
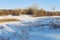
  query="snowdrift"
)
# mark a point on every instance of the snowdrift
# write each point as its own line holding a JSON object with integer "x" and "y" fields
{"x": 31, "y": 28}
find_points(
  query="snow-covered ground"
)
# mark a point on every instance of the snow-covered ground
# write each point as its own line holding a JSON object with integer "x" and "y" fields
{"x": 31, "y": 28}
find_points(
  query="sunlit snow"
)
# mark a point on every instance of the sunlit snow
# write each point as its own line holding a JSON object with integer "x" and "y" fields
{"x": 31, "y": 28}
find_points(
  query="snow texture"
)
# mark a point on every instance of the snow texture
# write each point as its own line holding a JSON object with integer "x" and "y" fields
{"x": 32, "y": 28}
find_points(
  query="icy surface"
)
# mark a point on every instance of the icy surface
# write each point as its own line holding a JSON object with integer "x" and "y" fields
{"x": 32, "y": 28}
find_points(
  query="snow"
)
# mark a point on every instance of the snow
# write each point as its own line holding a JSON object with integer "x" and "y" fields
{"x": 31, "y": 28}
{"x": 8, "y": 28}
{"x": 45, "y": 36}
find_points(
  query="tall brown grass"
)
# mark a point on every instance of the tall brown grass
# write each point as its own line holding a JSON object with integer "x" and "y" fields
{"x": 8, "y": 20}
{"x": 29, "y": 11}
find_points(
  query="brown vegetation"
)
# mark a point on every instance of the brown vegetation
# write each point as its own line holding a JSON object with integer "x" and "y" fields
{"x": 8, "y": 20}
{"x": 30, "y": 11}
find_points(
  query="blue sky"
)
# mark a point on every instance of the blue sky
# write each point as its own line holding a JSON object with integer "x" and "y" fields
{"x": 45, "y": 4}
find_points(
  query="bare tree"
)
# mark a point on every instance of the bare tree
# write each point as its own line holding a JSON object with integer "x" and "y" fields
{"x": 53, "y": 9}
{"x": 34, "y": 7}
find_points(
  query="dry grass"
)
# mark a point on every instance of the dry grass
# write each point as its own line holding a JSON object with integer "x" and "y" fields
{"x": 8, "y": 20}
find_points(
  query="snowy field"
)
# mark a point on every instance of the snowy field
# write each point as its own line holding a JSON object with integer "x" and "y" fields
{"x": 31, "y": 28}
